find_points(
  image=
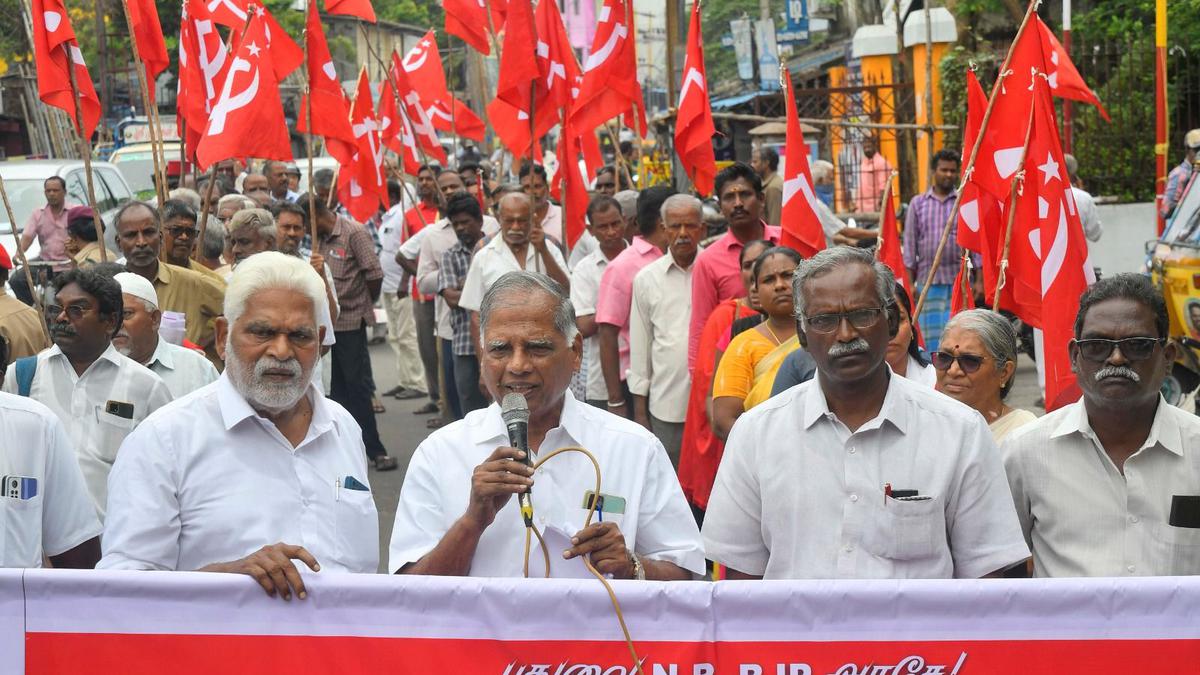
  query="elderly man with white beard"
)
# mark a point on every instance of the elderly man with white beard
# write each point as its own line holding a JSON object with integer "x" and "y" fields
{"x": 260, "y": 456}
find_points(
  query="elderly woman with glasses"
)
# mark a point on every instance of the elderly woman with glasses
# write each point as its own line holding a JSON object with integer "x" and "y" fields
{"x": 976, "y": 363}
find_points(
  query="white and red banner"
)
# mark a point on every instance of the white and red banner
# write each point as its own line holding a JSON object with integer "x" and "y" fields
{"x": 61, "y": 621}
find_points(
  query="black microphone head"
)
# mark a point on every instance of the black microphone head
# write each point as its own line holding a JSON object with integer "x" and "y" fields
{"x": 514, "y": 409}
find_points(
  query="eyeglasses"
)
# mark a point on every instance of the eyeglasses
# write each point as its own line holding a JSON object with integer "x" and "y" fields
{"x": 969, "y": 363}
{"x": 75, "y": 312}
{"x": 189, "y": 232}
{"x": 1132, "y": 348}
{"x": 859, "y": 318}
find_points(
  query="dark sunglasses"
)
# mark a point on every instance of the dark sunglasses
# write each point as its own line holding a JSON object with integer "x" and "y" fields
{"x": 969, "y": 363}
{"x": 1132, "y": 348}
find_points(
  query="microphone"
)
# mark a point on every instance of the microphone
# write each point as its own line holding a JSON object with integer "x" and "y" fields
{"x": 515, "y": 413}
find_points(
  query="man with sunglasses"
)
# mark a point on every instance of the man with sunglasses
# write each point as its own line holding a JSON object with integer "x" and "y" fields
{"x": 859, "y": 473}
{"x": 98, "y": 394}
{"x": 1110, "y": 485}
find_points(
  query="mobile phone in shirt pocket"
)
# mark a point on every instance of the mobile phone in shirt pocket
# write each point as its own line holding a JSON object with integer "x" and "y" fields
{"x": 904, "y": 529}
{"x": 22, "y": 539}
{"x": 357, "y": 524}
{"x": 1180, "y": 549}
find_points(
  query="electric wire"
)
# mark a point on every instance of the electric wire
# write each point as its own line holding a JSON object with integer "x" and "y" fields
{"x": 612, "y": 596}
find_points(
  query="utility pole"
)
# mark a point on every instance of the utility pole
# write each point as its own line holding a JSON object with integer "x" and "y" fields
{"x": 673, "y": 13}
{"x": 102, "y": 57}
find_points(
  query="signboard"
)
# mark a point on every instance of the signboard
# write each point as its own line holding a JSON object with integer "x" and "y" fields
{"x": 768, "y": 55}
{"x": 743, "y": 47}
{"x": 110, "y": 623}
{"x": 795, "y": 22}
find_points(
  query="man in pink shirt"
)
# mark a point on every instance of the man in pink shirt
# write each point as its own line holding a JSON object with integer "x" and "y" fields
{"x": 716, "y": 275}
{"x": 616, "y": 296}
{"x": 49, "y": 224}
{"x": 873, "y": 175}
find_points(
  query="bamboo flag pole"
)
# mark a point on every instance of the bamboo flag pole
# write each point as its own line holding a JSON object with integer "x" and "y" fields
{"x": 312, "y": 197}
{"x": 12, "y": 226}
{"x": 966, "y": 170}
{"x": 85, "y": 149}
{"x": 151, "y": 122}
{"x": 1017, "y": 187}
{"x": 204, "y": 207}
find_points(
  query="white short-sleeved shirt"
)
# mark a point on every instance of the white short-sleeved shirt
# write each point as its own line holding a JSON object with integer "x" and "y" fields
{"x": 585, "y": 289}
{"x": 183, "y": 370}
{"x": 437, "y": 238}
{"x": 93, "y": 407}
{"x": 798, "y": 496}
{"x": 61, "y": 515}
{"x": 656, "y": 520}
{"x": 1082, "y": 517}
{"x": 658, "y": 367}
{"x": 585, "y": 246}
{"x": 494, "y": 261}
{"x": 208, "y": 480}
{"x": 391, "y": 234}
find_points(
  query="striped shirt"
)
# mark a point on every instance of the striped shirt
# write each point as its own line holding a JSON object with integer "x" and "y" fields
{"x": 1176, "y": 181}
{"x": 452, "y": 273}
{"x": 923, "y": 225}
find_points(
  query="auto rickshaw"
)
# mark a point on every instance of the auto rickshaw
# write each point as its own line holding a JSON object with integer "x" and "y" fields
{"x": 1175, "y": 269}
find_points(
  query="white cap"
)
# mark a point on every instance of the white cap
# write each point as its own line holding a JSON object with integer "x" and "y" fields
{"x": 137, "y": 286}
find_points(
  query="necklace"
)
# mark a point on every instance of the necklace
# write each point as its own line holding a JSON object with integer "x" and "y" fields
{"x": 767, "y": 324}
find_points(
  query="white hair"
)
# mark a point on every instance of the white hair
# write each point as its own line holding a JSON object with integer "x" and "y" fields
{"x": 260, "y": 220}
{"x": 186, "y": 195}
{"x": 516, "y": 288}
{"x": 272, "y": 270}
{"x": 679, "y": 202}
{"x": 242, "y": 201}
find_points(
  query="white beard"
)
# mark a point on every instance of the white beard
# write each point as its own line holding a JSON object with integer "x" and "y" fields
{"x": 265, "y": 396}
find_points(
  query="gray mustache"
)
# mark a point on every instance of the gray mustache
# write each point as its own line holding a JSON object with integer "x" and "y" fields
{"x": 292, "y": 366}
{"x": 855, "y": 346}
{"x": 1118, "y": 371}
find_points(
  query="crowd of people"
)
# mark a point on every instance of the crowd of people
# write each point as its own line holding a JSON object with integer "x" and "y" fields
{"x": 206, "y": 401}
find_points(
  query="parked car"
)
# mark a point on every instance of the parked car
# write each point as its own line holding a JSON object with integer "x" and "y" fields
{"x": 137, "y": 165}
{"x": 24, "y": 180}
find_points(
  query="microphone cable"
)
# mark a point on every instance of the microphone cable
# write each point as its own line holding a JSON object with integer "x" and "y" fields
{"x": 531, "y": 531}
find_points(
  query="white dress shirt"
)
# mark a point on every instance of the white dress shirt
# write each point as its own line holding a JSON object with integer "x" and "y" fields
{"x": 656, "y": 520}
{"x": 585, "y": 289}
{"x": 1082, "y": 517}
{"x": 552, "y": 224}
{"x": 800, "y": 497}
{"x": 89, "y": 406}
{"x": 60, "y": 516}
{"x": 658, "y": 339}
{"x": 183, "y": 370}
{"x": 494, "y": 261}
{"x": 586, "y": 246}
{"x": 1089, "y": 215}
{"x": 441, "y": 238}
{"x": 208, "y": 480}
{"x": 391, "y": 235}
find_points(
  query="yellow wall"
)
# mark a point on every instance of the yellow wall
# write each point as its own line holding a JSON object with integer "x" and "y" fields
{"x": 919, "y": 65}
{"x": 837, "y": 78}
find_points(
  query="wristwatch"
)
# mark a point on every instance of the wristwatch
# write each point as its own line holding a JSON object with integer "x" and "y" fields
{"x": 639, "y": 572}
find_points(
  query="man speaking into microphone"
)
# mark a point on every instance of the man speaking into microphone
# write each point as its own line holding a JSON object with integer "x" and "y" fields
{"x": 457, "y": 514}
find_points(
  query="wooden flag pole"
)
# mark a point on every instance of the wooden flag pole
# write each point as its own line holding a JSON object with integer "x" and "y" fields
{"x": 24, "y": 262}
{"x": 156, "y": 148}
{"x": 312, "y": 197}
{"x": 966, "y": 170}
{"x": 204, "y": 204}
{"x": 1017, "y": 186}
{"x": 85, "y": 149}
{"x": 622, "y": 167}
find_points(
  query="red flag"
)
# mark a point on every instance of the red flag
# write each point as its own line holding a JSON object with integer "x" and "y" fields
{"x": 557, "y": 68}
{"x": 512, "y": 126}
{"x": 518, "y": 62}
{"x": 570, "y": 186}
{"x": 360, "y": 8}
{"x": 889, "y": 251}
{"x": 801, "y": 227}
{"x": 1064, "y": 79}
{"x": 694, "y": 128}
{"x": 396, "y": 132}
{"x": 468, "y": 20}
{"x": 151, "y": 47}
{"x": 231, "y": 13}
{"x": 330, "y": 109}
{"x": 247, "y": 119}
{"x": 980, "y": 227}
{"x": 410, "y": 101}
{"x": 610, "y": 82}
{"x": 286, "y": 55}
{"x": 1053, "y": 240}
{"x": 362, "y": 186}
{"x": 53, "y": 39}
{"x": 423, "y": 66}
{"x": 203, "y": 64}
{"x": 962, "y": 297}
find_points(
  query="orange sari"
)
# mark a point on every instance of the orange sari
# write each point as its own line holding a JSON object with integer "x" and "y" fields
{"x": 700, "y": 452}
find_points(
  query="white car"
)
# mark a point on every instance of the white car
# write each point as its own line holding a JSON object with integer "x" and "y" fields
{"x": 24, "y": 183}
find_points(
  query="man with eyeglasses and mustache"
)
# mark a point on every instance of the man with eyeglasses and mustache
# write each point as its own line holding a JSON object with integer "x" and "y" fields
{"x": 257, "y": 469}
{"x": 859, "y": 473}
{"x": 1110, "y": 485}
{"x": 98, "y": 394}
{"x": 180, "y": 234}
